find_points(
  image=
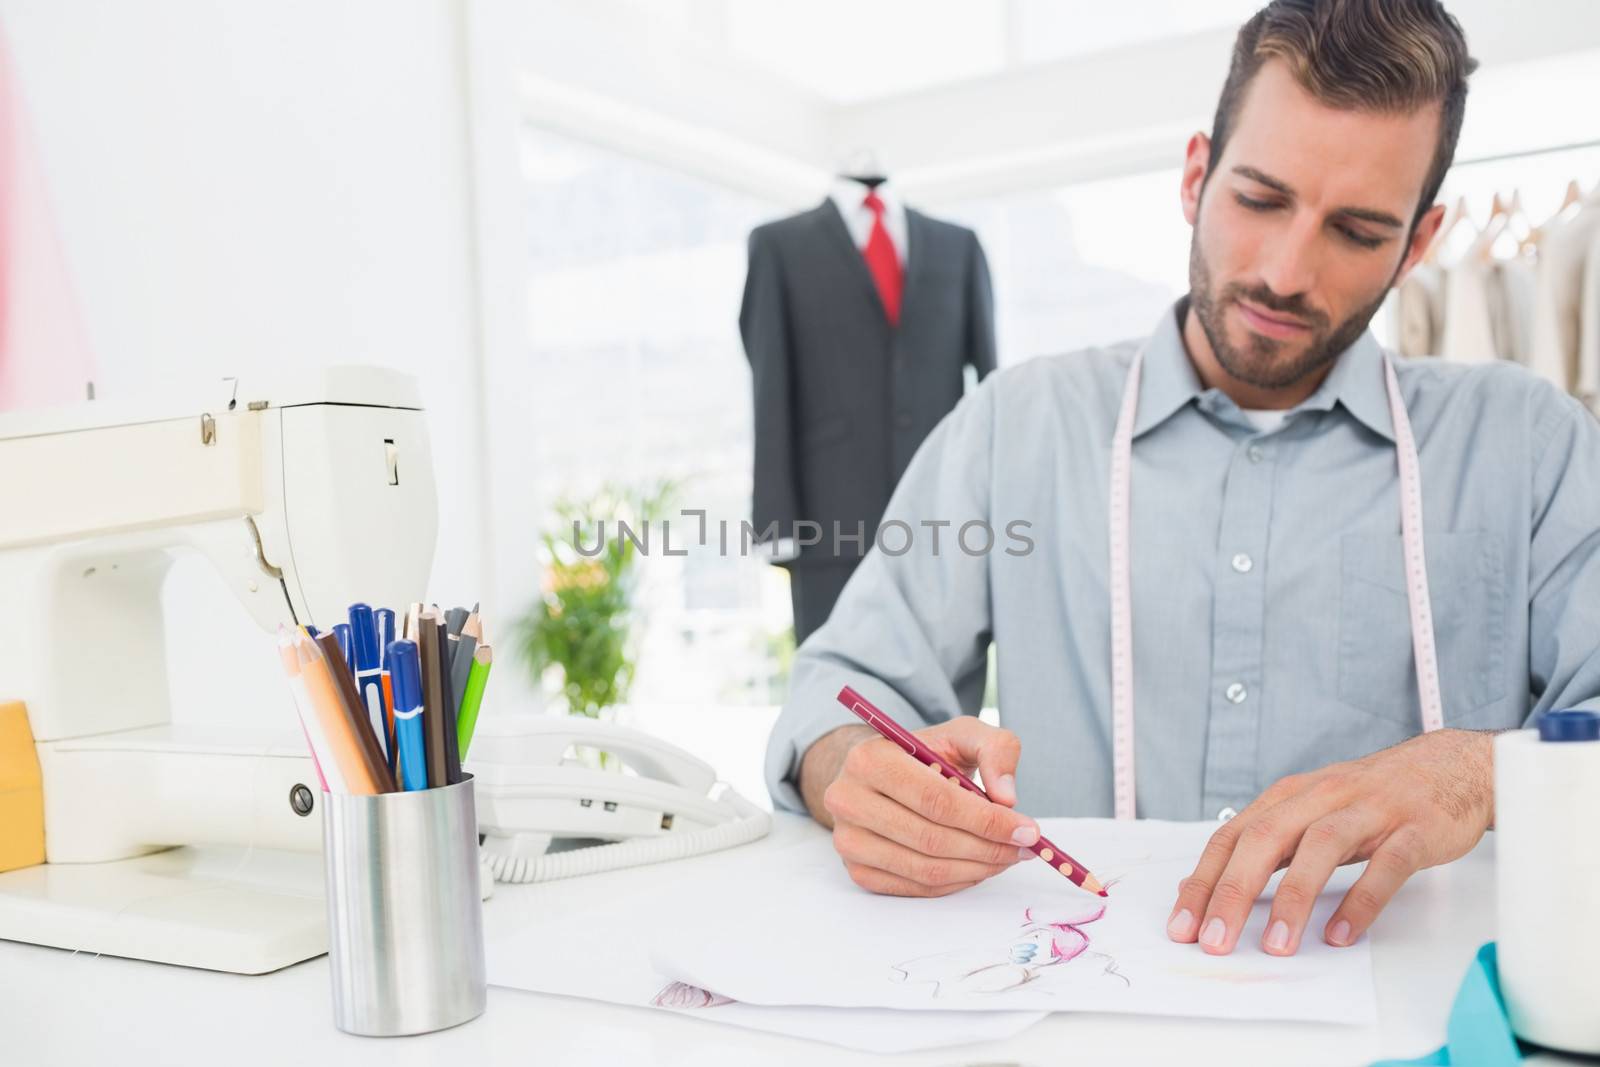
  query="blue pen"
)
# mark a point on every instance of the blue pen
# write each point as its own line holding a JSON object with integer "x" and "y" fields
{"x": 384, "y": 619}
{"x": 406, "y": 672}
{"x": 312, "y": 631}
{"x": 368, "y": 664}
{"x": 341, "y": 634}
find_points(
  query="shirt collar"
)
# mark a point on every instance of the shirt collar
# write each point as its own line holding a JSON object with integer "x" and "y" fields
{"x": 848, "y": 194}
{"x": 1170, "y": 381}
{"x": 1357, "y": 382}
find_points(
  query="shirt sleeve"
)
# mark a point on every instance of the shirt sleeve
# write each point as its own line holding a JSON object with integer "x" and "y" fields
{"x": 1564, "y": 560}
{"x": 911, "y": 630}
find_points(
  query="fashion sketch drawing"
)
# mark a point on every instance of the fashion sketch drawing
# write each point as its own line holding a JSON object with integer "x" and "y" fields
{"x": 1047, "y": 947}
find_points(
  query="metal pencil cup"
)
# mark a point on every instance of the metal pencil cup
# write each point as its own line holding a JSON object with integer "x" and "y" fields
{"x": 405, "y": 919}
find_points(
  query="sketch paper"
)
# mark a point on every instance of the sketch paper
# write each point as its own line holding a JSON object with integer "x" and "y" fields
{"x": 799, "y": 932}
{"x": 596, "y": 944}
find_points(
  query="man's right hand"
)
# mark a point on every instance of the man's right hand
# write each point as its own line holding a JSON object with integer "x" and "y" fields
{"x": 904, "y": 830}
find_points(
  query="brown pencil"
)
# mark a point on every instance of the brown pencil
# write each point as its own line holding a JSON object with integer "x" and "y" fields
{"x": 430, "y": 652}
{"x": 338, "y": 724}
{"x": 372, "y": 757}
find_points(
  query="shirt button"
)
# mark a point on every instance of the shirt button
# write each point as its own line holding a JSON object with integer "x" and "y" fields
{"x": 1236, "y": 693}
{"x": 1242, "y": 563}
{"x": 1225, "y": 814}
{"x": 1256, "y": 454}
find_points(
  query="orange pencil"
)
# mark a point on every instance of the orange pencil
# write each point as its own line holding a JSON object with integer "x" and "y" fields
{"x": 338, "y": 726}
{"x": 371, "y": 754}
{"x": 309, "y": 726}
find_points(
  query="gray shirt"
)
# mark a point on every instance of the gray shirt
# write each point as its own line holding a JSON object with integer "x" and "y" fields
{"x": 1271, "y": 625}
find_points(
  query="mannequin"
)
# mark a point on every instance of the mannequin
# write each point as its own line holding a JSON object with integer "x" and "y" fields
{"x": 858, "y": 321}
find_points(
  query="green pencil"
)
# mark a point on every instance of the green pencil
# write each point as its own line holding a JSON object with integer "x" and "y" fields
{"x": 477, "y": 678}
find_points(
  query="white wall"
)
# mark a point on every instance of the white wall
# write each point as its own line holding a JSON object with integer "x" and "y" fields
{"x": 247, "y": 186}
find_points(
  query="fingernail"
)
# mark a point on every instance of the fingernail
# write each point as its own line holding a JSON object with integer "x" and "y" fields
{"x": 1024, "y": 853}
{"x": 1006, "y": 786}
{"x": 1340, "y": 934}
{"x": 1025, "y": 835}
{"x": 1215, "y": 933}
{"x": 1277, "y": 936}
{"x": 1181, "y": 926}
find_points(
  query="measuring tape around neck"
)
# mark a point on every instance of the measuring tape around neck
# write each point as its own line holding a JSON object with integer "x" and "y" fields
{"x": 1120, "y": 531}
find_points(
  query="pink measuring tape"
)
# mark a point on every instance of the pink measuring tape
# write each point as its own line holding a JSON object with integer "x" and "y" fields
{"x": 1122, "y": 754}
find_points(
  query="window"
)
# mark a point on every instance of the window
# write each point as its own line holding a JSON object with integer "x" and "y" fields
{"x": 1084, "y": 264}
{"x": 635, "y": 277}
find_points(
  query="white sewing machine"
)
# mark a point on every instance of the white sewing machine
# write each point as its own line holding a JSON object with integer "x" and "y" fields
{"x": 305, "y": 496}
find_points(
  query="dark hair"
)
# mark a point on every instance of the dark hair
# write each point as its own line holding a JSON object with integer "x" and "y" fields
{"x": 1393, "y": 56}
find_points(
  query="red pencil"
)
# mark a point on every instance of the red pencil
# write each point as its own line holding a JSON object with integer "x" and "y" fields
{"x": 1076, "y": 872}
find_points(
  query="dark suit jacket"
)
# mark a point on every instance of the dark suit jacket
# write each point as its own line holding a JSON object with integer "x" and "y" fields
{"x": 843, "y": 399}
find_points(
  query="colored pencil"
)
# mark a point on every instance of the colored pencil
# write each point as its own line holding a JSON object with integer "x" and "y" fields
{"x": 460, "y": 668}
{"x": 371, "y": 751}
{"x": 310, "y": 727}
{"x": 467, "y": 721}
{"x": 1075, "y": 872}
{"x": 473, "y": 627}
{"x": 447, "y": 701}
{"x": 341, "y": 723}
{"x": 432, "y": 695}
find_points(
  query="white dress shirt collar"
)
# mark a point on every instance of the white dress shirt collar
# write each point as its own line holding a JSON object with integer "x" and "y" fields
{"x": 847, "y": 195}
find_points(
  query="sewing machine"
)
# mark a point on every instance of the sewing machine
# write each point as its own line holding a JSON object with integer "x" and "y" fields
{"x": 186, "y": 843}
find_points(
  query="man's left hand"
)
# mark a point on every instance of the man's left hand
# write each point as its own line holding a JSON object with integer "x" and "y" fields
{"x": 1420, "y": 803}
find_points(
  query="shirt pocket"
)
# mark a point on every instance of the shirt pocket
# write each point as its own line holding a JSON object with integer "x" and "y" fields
{"x": 1467, "y": 591}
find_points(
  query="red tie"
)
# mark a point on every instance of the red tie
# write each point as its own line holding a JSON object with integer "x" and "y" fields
{"x": 882, "y": 261}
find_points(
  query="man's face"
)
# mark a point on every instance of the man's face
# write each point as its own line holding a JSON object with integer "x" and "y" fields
{"x": 1301, "y": 227}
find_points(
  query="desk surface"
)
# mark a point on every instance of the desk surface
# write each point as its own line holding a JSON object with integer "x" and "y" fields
{"x": 61, "y": 1007}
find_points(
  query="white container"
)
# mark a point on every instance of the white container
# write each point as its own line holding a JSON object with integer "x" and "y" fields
{"x": 1547, "y": 849}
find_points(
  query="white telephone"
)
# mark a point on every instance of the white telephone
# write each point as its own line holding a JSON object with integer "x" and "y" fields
{"x": 663, "y": 805}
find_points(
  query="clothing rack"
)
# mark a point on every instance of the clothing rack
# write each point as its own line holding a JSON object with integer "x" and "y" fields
{"x": 1479, "y": 308}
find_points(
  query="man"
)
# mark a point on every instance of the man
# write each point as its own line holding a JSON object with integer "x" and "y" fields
{"x": 1273, "y": 655}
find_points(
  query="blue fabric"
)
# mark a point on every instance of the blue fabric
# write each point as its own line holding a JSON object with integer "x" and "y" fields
{"x": 1272, "y": 634}
{"x": 1478, "y": 1033}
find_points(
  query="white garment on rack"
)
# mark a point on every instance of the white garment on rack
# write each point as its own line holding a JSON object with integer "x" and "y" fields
{"x": 1468, "y": 328}
{"x": 1512, "y": 292}
{"x": 1556, "y": 313}
{"x": 1420, "y": 309}
{"x": 1589, "y": 325}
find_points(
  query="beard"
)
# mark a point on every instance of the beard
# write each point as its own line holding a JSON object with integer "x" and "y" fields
{"x": 1266, "y": 362}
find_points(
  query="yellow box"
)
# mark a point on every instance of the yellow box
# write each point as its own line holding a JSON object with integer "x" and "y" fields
{"x": 21, "y": 792}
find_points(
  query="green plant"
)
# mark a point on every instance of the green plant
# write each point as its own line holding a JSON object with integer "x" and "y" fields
{"x": 584, "y": 617}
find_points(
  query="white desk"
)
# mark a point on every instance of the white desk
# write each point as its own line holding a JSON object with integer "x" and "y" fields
{"x": 58, "y": 1007}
